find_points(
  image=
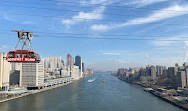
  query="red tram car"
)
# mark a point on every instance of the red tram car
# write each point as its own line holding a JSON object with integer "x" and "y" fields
{"x": 23, "y": 56}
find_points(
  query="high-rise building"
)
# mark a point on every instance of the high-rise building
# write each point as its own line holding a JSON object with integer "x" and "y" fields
{"x": 78, "y": 61}
{"x": 181, "y": 76}
{"x": 148, "y": 70}
{"x": 15, "y": 73}
{"x": 185, "y": 64}
{"x": 120, "y": 71}
{"x": 75, "y": 73}
{"x": 4, "y": 72}
{"x": 83, "y": 70}
{"x": 165, "y": 73}
{"x": 32, "y": 74}
{"x": 69, "y": 60}
{"x": 53, "y": 65}
{"x": 142, "y": 72}
{"x": 186, "y": 71}
{"x": 159, "y": 70}
{"x": 171, "y": 72}
{"x": 15, "y": 66}
{"x": 153, "y": 73}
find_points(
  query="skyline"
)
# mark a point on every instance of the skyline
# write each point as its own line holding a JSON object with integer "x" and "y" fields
{"x": 147, "y": 18}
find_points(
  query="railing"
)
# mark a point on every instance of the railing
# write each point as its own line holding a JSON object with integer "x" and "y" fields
{"x": 51, "y": 82}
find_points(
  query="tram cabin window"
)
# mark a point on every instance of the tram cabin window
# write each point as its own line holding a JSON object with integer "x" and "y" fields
{"x": 11, "y": 55}
{"x": 18, "y": 55}
{"x": 24, "y": 55}
{"x": 31, "y": 55}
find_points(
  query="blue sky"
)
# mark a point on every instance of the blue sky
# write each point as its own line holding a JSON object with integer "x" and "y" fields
{"x": 135, "y": 19}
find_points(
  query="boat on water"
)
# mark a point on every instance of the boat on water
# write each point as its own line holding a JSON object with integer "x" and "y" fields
{"x": 90, "y": 80}
{"x": 103, "y": 81}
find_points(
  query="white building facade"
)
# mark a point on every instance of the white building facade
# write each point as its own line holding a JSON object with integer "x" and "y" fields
{"x": 4, "y": 71}
{"x": 32, "y": 74}
{"x": 53, "y": 64}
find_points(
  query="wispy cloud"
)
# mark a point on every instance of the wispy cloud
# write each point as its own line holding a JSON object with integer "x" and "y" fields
{"x": 5, "y": 16}
{"x": 159, "y": 42}
{"x": 104, "y": 2}
{"x": 169, "y": 41}
{"x": 110, "y": 53}
{"x": 27, "y": 23}
{"x": 85, "y": 16}
{"x": 140, "y": 3}
{"x": 162, "y": 14}
{"x": 100, "y": 27}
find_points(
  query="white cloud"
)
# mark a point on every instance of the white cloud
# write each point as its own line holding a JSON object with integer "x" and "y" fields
{"x": 68, "y": 22}
{"x": 162, "y": 14}
{"x": 100, "y": 27}
{"x": 140, "y": 3}
{"x": 96, "y": 14}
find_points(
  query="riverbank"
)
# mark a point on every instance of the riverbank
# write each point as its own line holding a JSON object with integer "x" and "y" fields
{"x": 162, "y": 95}
{"x": 167, "y": 99}
{"x": 36, "y": 91}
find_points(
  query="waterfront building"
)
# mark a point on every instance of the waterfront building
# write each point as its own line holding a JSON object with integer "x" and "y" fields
{"x": 32, "y": 75}
{"x": 148, "y": 70}
{"x": 120, "y": 71}
{"x": 165, "y": 73}
{"x": 75, "y": 73}
{"x": 83, "y": 70}
{"x": 15, "y": 66}
{"x": 4, "y": 72}
{"x": 69, "y": 60}
{"x": 181, "y": 76}
{"x": 142, "y": 72}
{"x": 14, "y": 78}
{"x": 53, "y": 65}
{"x": 65, "y": 71}
{"x": 78, "y": 61}
{"x": 171, "y": 72}
{"x": 185, "y": 64}
{"x": 159, "y": 70}
{"x": 186, "y": 72}
{"x": 153, "y": 73}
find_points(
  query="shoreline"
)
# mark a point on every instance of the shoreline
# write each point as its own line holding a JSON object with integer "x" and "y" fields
{"x": 37, "y": 91}
{"x": 159, "y": 96}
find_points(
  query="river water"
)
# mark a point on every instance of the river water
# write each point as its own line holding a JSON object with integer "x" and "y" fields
{"x": 113, "y": 95}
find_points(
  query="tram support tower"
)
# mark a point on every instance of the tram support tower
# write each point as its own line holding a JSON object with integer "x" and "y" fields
{"x": 25, "y": 38}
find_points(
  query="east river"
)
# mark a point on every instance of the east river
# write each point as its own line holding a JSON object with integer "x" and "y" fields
{"x": 92, "y": 95}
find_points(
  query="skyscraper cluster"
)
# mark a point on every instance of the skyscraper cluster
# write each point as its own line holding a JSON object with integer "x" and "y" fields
{"x": 55, "y": 66}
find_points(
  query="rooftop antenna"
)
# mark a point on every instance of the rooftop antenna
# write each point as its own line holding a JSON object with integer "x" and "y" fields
{"x": 26, "y": 37}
